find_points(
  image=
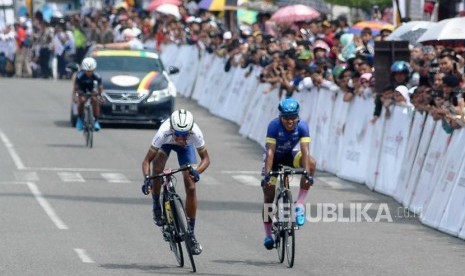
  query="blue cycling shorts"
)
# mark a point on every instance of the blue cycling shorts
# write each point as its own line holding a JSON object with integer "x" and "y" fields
{"x": 186, "y": 155}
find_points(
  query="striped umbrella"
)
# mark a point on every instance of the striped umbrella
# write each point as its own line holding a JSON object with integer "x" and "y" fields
{"x": 375, "y": 26}
{"x": 212, "y": 5}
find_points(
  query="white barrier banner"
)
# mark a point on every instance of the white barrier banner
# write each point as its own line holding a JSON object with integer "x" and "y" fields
{"x": 416, "y": 130}
{"x": 266, "y": 110}
{"x": 308, "y": 100}
{"x": 375, "y": 151}
{"x": 434, "y": 159}
{"x": 462, "y": 231}
{"x": 436, "y": 203}
{"x": 356, "y": 140}
{"x": 212, "y": 82}
{"x": 419, "y": 161}
{"x": 393, "y": 149}
{"x": 251, "y": 114}
{"x": 235, "y": 91}
{"x": 190, "y": 66}
{"x": 222, "y": 94}
{"x": 249, "y": 87}
{"x": 454, "y": 214}
{"x": 168, "y": 55}
{"x": 203, "y": 73}
{"x": 320, "y": 131}
{"x": 336, "y": 132}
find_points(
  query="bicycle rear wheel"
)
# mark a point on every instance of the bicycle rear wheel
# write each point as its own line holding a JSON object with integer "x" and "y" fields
{"x": 180, "y": 219}
{"x": 289, "y": 233}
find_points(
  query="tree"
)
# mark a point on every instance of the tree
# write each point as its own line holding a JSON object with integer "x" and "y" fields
{"x": 362, "y": 4}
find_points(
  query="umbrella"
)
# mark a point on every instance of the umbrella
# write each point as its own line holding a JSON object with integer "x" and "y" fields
{"x": 448, "y": 29}
{"x": 319, "y": 5}
{"x": 248, "y": 17}
{"x": 260, "y": 6}
{"x": 169, "y": 9}
{"x": 375, "y": 26}
{"x": 410, "y": 31}
{"x": 294, "y": 13}
{"x": 212, "y": 5}
{"x": 156, "y": 3}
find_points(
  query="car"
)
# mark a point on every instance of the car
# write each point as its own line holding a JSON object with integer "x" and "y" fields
{"x": 136, "y": 87}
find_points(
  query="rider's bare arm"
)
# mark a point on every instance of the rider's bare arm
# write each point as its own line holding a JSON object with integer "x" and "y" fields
{"x": 204, "y": 159}
{"x": 270, "y": 150}
{"x": 151, "y": 153}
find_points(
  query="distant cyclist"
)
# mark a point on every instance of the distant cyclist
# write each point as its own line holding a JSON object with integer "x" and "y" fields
{"x": 179, "y": 133}
{"x": 287, "y": 143}
{"x": 84, "y": 83}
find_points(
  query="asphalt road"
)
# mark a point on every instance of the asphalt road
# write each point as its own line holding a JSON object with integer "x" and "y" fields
{"x": 69, "y": 210}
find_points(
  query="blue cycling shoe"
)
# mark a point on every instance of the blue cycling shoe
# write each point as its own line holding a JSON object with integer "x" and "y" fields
{"x": 79, "y": 124}
{"x": 269, "y": 242}
{"x": 299, "y": 215}
{"x": 97, "y": 126}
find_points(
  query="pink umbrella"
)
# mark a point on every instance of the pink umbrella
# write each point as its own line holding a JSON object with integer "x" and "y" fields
{"x": 294, "y": 13}
{"x": 157, "y": 3}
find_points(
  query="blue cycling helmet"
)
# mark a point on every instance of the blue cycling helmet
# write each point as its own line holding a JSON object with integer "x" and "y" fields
{"x": 400, "y": 66}
{"x": 288, "y": 107}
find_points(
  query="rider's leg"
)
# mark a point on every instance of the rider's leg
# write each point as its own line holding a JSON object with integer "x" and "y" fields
{"x": 191, "y": 199}
{"x": 158, "y": 165}
{"x": 96, "y": 107}
{"x": 81, "y": 101}
{"x": 267, "y": 214}
{"x": 304, "y": 183}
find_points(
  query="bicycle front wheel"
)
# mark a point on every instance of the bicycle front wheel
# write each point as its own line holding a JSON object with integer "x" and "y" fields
{"x": 175, "y": 246}
{"x": 289, "y": 233}
{"x": 180, "y": 219}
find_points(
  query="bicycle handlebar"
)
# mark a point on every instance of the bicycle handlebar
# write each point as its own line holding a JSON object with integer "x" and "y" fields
{"x": 163, "y": 174}
{"x": 288, "y": 171}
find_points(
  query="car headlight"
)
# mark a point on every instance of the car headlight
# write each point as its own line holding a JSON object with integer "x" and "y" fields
{"x": 158, "y": 95}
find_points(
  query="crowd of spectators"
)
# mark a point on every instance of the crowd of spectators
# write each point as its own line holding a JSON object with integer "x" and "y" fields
{"x": 293, "y": 58}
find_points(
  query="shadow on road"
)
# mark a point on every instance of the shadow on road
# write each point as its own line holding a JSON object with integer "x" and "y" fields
{"x": 63, "y": 123}
{"x": 163, "y": 269}
{"x": 248, "y": 262}
{"x": 66, "y": 146}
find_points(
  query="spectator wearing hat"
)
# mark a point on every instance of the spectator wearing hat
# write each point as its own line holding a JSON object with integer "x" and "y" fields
{"x": 402, "y": 96}
{"x": 131, "y": 42}
{"x": 306, "y": 56}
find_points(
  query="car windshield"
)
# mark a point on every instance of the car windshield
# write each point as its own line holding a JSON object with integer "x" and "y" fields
{"x": 130, "y": 64}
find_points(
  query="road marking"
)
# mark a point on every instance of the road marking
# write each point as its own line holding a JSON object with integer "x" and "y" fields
{"x": 208, "y": 180}
{"x": 71, "y": 177}
{"x": 71, "y": 169}
{"x": 82, "y": 254}
{"x": 331, "y": 181}
{"x": 241, "y": 172}
{"x": 115, "y": 177}
{"x": 13, "y": 182}
{"x": 247, "y": 180}
{"x": 26, "y": 176}
{"x": 11, "y": 150}
{"x": 46, "y": 206}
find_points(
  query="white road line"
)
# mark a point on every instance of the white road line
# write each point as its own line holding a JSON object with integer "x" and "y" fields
{"x": 241, "y": 172}
{"x": 115, "y": 177}
{"x": 70, "y": 169}
{"x": 11, "y": 150}
{"x": 331, "y": 181}
{"x": 71, "y": 177}
{"x": 247, "y": 180}
{"x": 82, "y": 254}
{"x": 208, "y": 180}
{"x": 26, "y": 176}
{"x": 46, "y": 206}
{"x": 13, "y": 182}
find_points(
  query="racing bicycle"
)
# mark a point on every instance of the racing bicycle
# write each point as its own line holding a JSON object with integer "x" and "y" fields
{"x": 284, "y": 218}
{"x": 175, "y": 230}
{"x": 89, "y": 120}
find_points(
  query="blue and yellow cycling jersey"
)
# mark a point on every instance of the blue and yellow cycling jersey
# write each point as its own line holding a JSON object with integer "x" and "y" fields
{"x": 286, "y": 141}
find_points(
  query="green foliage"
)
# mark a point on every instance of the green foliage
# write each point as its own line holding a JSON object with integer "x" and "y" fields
{"x": 363, "y": 4}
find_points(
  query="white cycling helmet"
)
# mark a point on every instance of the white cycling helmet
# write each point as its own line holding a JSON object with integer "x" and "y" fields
{"x": 89, "y": 64}
{"x": 182, "y": 121}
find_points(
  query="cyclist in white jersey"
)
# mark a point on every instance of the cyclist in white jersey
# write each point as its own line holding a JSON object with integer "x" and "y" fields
{"x": 180, "y": 134}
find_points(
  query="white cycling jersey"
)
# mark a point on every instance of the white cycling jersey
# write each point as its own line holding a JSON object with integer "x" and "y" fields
{"x": 165, "y": 136}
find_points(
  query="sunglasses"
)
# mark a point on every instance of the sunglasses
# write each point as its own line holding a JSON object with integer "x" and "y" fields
{"x": 290, "y": 118}
{"x": 182, "y": 134}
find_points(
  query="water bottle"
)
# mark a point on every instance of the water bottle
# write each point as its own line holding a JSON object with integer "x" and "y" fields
{"x": 95, "y": 86}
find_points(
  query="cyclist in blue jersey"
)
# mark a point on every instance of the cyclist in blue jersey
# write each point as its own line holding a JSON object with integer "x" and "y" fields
{"x": 287, "y": 143}
{"x": 84, "y": 83}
